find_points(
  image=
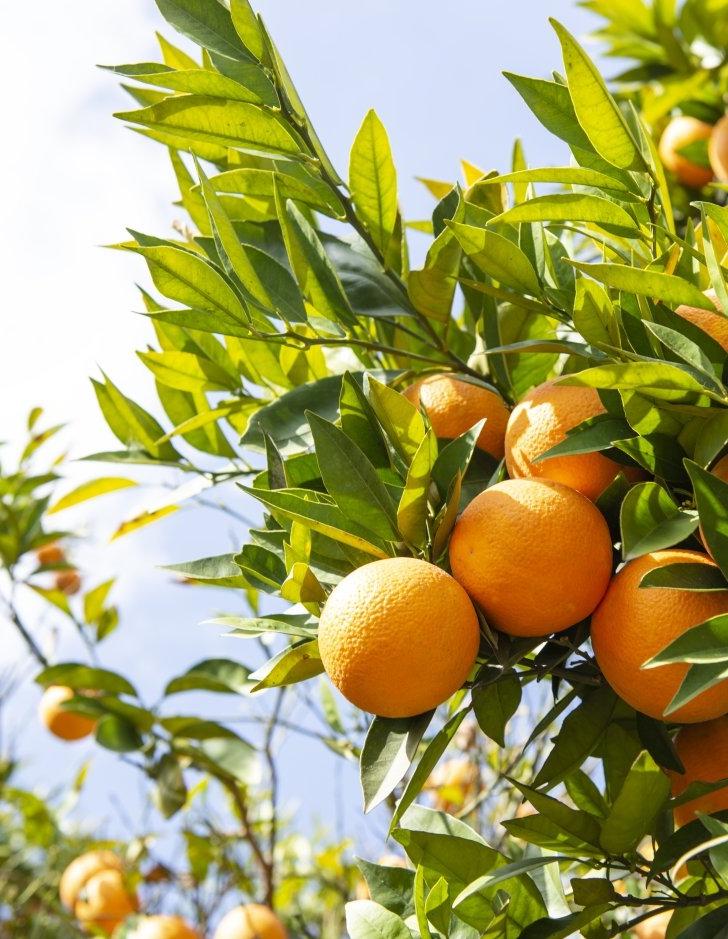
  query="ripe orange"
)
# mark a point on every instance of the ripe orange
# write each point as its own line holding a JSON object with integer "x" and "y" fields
{"x": 68, "y": 582}
{"x": 714, "y": 324}
{"x": 61, "y": 723}
{"x": 539, "y": 421}
{"x": 50, "y": 554}
{"x": 163, "y": 927}
{"x": 453, "y": 405}
{"x": 453, "y": 784}
{"x": 703, "y": 751}
{"x": 718, "y": 149}
{"x": 535, "y": 555}
{"x": 653, "y": 928}
{"x": 680, "y": 132}
{"x": 631, "y": 625}
{"x": 92, "y": 887}
{"x": 104, "y": 903}
{"x": 398, "y": 637}
{"x": 252, "y": 921}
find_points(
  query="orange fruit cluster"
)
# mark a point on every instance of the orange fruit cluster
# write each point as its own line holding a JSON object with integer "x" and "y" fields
{"x": 532, "y": 555}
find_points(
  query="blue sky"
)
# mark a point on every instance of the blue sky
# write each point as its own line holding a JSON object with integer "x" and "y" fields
{"x": 75, "y": 180}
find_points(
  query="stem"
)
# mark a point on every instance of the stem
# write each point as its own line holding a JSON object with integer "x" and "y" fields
{"x": 33, "y": 647}
{"x": 265, "y": 865}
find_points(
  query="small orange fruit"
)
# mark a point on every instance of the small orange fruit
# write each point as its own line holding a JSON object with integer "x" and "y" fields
{"x": 653, "y": 928}
{"x": 92, "y": 887}
{"x": 51, "y": 553}
{"x": 104, "y": 903}
{"x": 252, "y": 921}
{"x": 633, "y": 624}
{"x": 163, "y": 927}
{"x": 539, "y": 421}
{"x": 62, "y": 723}
{"x": 68, "y": 582}
{"x": 535, "y": 555}
{"x": 680, "y": 132}
{"x": 703, "y": 751}
{"x": 714, "y": 324}
{"x": 718, "y": 149}
{"x": 454, "y": 405}
{"x": 398, "y": 637}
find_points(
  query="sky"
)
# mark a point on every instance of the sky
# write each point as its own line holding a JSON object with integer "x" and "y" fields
{"x": 75, "y": 178}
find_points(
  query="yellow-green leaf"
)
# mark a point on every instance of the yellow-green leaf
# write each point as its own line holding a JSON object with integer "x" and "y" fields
{"x": 373, "y": 180}
{"x": 90, "y": 490}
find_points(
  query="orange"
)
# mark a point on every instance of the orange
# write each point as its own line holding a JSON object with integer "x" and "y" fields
{"x": 631, "y": 625}
{"x": 50, "y": 554}
{"x": 68, "y": 582}
{"x": 62, "y": 723}
{"x": 398, "y": 637}
{"x": 718, "y": 149}
{"x": 539, "y": 421}
{"x": 653, "y": 928}
{"x": 535, "y": 555}
{"x": 680, "y": 132}
{"x": 92, "y": 887}
{"x": 104, "y": 903}
{"x": 453, "y": 784}
{"x": 703, "y": 751}
{"x": 253, "y": 921}
{"x": 453, "y": 405}
{"x": 163, "y": 927}
{"x": 714, "y": 324}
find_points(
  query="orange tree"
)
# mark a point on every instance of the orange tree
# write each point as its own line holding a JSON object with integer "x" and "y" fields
{"x": 436, "y": 568}
{"x": 227, "y": 840}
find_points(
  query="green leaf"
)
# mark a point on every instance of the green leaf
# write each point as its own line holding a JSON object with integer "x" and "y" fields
{"x": 495, "y": 701}
{"x": 292, "y": 624}
{"x": 400, "y": 419}
{"x": 389, "y": 748}
{"x": 316, "y": 276}
{"x": 594, "y": 315}
{"x": 671, "y": 289}
{"x": 392, "y": 887}
{"x": 188, "y": 372}
{"x": 352, "y": 480}
{"x": 596, "y": 110}
{"x": 247, "y": 27}
{"x": 219, "y": 675}
{"x": 366, "y": 919}
{"x": 497, "y": 256}
{"x": 412, "y": 509}
{"x": 699, "y": 678}
{"x": 294, "y": 181}
{"x": 170, "y": 792}
{"x": 711, "y": 497}
{"x": 206, "y": 22}
{"x": 373, "y": 181}
{"x": 582, "y": 826}
{"x": 189, "y": 279}
{"x": 711, "y": 925}
{"x": 238, "y": 124}
{"x": 284, "y": 419}
{"x": 89, "y": 490}
{"x": 551, "y": 102}
{"x": 686, "y": 576}
{"x": 660, "y": 379}
{"x": 454, "y": 458}
{"x": 249, "y": 84}
{"x": 84, "y": 678}
{"x": 640, "y": 800}
{"x": 650, "y": 521}
{"x": 115, "y": 733}
{"x": 569, "y": 207}
{"x": 220, "y": 570}
{"x": 298, "y": 662}
{"x": 702, "y": 644}
{"x": 359, "y": 422}
{"x": 427, "y": 762}
{"x": 592, "y": 435}
{"x": 229, "y": 755}
{"x": 562, "y": 927}
{"x": 565, "y": 175}
{"x": 655, "y": 738}
{"x": 580, "y": 733}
